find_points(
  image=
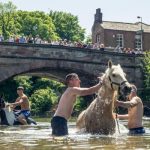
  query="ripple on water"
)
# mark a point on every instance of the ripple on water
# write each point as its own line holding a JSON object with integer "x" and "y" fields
{"x": 39, "y": 138}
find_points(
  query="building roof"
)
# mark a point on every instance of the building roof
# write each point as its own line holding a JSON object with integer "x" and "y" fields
{"x": 125, "y": 26}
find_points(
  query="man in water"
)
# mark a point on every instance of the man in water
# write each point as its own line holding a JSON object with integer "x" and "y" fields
{"x": 135, "y": 112}
{"x": 67, "y": 100}
{"x": 22, "y": 101}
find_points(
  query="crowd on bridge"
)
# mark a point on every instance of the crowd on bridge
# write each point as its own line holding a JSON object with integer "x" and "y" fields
{"x": 65, "y": 42}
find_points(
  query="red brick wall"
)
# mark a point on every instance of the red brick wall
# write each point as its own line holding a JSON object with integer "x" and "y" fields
{"x": 108, "y": 37}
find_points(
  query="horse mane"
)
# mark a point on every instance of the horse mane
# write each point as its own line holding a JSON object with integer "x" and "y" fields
{"x": 106, "y": 86}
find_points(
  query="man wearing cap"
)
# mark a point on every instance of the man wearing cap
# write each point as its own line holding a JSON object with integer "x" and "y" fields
{"x": 22, "y": 101}
{"x": 67, "y": 100}
{"x": 135, "y": 112}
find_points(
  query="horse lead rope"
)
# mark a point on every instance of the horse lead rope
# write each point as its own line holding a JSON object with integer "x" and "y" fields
{"x": 117, "y": 120}
{"x": 119, "y": 84}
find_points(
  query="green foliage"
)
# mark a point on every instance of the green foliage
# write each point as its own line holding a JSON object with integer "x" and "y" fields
{"x": 8, "y": 90}
{"x": 53, "y": 26}
{"x": 80, "y": 104}
{"x": 7, "y": 11}
{"x": 43, "y": 83}
{"x": 24, "y": 81}
{"x": 147, "y": 69}
{"x": 145, "y": 94}
{"x": 42, "y": 100}
{"x": 9, "y": 87}
{"x": 88, "y": 39}
{"x": 36, "y": 23}
{"x": 67, "y": 26}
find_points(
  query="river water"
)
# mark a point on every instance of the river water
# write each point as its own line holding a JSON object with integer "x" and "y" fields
{"x": 39, "y": 138}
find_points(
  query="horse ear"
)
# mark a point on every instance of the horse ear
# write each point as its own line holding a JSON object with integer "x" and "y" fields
{"x": 110, "y": 64}
{"x": 119, "y": 65}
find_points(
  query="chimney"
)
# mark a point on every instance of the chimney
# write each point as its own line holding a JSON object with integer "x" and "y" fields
{"x": 98, "y": 16}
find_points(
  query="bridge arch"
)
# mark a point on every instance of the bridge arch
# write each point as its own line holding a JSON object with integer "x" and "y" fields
{"x": 56, "y": 61}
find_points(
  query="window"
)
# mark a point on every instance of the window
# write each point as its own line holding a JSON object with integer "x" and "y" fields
{"x": 120, "y": 40}
{"x": 138, "y": 41}
{"x": 98, "y": 38}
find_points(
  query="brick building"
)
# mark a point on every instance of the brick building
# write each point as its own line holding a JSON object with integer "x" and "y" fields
{"x": 120, "y": 34}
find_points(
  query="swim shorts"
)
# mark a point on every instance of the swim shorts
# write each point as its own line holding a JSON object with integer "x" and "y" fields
{"x": 59, "y": 126}
{"x": 26, "y": 113}
{"x": 139, "y": 130}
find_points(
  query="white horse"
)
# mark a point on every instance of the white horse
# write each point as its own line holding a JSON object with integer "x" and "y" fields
{"x": 98, "y": 118}
{"x": 9, "y": 117}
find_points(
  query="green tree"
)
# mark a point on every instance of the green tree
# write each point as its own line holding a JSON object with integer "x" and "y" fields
{"x": 24, "y": 81}
{"x": 36, "y": 23}
{"x": 88, "y": 39}
{"x": 146, "y": 67}
{"x": 8, "y": 90}
{"x": 7, "y": 11}
{"x": 43, "y": 83}
{"x": 9, "y": 87}
{"x": 67, "y": 26}
{"x": 42, "y": 100}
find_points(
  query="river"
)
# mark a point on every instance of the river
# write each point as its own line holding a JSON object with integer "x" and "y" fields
{"x": 39, "y": 138}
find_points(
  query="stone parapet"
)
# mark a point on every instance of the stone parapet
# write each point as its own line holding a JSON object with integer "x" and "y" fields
{"x": 55, "y": 61}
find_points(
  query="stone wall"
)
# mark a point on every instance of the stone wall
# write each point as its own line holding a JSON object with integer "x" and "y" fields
{"x": 56, "y": 61}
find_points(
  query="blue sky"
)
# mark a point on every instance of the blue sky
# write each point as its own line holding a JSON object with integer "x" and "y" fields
{"x": 113, "y": 10}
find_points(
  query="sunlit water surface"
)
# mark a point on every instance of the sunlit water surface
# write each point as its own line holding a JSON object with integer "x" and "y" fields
{"x": 39, "y": 138}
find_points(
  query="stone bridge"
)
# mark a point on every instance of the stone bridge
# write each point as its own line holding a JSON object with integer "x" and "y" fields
{"x": 54, "y": 61}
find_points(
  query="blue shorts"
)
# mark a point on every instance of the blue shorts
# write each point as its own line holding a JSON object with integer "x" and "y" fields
{"x": 139, "y": 130}
{"x": 26, "y": 113}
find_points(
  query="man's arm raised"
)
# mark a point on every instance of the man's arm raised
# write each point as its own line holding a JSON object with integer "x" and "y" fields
{"x": 86, "y": 91}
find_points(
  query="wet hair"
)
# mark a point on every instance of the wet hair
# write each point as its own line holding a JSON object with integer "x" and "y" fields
{"x": 20, "y": 88}
{"x": 69, "y": 77}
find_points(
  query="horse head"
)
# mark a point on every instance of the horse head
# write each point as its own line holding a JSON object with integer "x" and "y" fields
{"x": 117, "y": 80}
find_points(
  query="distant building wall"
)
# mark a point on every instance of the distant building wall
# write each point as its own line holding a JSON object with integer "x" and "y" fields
{"x": 108, "y": 35}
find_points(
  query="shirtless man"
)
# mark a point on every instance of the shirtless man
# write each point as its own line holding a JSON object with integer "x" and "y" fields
{"x": 67, "y": 100}
{"x": 135, "y": 112}
{"x": 22, "y": 101}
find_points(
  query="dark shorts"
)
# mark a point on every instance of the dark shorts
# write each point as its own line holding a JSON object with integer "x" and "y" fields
{"x": 59, "y": 126}
{"x": 139, "y": 130}
{"x": 25, "y": 113}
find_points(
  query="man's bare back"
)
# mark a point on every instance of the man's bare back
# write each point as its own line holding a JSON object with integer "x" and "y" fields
{"x": 135, "y": 113}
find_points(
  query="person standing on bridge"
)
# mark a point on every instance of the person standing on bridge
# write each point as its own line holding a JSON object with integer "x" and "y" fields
{"x": 67, "y": 100}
